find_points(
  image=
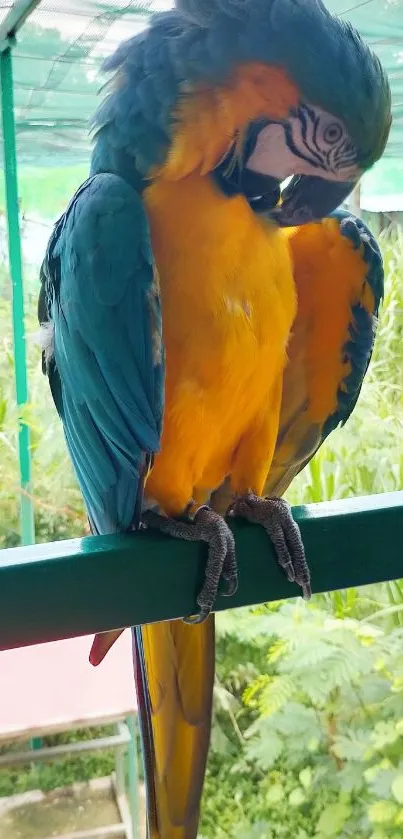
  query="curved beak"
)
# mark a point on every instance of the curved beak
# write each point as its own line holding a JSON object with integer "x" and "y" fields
{"x": 308, "y": 198}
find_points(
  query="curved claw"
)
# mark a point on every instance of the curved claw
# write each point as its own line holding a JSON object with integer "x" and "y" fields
{"x": 289, "y": 571}
{"x": 232, "y": 586}
{"x": 199, "y": 618}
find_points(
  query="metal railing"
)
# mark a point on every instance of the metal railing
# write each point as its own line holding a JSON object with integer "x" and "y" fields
{"x": 58, "y": 590}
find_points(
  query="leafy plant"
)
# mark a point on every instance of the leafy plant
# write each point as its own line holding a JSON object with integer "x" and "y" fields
{"x": 325, "y": 748}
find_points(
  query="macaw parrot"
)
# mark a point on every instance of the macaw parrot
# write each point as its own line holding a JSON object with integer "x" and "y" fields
{"x": 205, "y": 330}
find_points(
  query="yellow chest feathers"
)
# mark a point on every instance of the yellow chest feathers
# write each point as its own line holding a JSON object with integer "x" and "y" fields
{"x": 228, "y": 296}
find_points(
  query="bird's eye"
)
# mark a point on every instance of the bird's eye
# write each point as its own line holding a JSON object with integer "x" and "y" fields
{"x": 332, "y": 133}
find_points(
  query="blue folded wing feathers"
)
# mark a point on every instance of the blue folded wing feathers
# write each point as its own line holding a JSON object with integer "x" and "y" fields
{"x": 108, "y": 349}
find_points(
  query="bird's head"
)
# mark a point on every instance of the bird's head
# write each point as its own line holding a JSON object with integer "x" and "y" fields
{"x": 338, "y": 127}
{"x": 254, "y": 91}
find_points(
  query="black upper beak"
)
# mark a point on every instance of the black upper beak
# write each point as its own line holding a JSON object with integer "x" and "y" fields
{"x": 308, "y": 198}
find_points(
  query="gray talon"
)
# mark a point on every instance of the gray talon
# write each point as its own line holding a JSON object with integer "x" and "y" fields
{"x": 274, "y": 514}
{"x": 221, "y": 560}
{"x": 209, "y": 527}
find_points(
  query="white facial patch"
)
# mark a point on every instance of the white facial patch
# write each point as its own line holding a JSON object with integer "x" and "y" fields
{"x": 310, "y": 142}
{"x": 271, "y": 155}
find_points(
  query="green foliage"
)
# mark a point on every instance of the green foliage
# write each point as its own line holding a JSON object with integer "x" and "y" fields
{"x": 59, "y": 510}
{"x": 322, "y": 756}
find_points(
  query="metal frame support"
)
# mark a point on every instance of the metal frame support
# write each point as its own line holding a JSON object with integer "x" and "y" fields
{"x": 123, "y": 742}
{"x": 15, "y": 259}
{"x": 133, "y": 777}
{"x": 121, "y": 739}
{"x": 14, "y": 19}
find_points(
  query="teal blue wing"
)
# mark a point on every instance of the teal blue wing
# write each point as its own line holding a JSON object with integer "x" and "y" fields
{"x": 100, "y": 305}
{"x": 332, "y": 340}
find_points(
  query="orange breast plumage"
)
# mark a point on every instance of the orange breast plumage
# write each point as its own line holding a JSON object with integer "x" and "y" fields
{"x": 228, "y": 302}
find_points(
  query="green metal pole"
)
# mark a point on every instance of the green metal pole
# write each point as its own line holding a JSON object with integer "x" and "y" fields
{"x": 14, "y": 247}
{"x": 133, "y": 774}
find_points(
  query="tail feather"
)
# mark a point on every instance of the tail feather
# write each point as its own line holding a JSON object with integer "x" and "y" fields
{"x": 174, "y": 665}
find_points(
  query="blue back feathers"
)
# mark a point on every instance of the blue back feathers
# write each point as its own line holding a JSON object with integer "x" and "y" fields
{"x": 204, "y": 40}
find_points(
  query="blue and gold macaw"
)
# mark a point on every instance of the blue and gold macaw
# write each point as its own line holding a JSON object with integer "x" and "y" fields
{"x": 204, "y": 331}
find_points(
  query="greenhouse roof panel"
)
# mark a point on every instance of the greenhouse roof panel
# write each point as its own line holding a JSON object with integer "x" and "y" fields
{"x": 61, "y": 46}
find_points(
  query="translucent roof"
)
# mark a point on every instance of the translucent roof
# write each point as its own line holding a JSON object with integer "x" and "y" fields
{"x": 57, "y": 60}
{"x": 62, "y": 44}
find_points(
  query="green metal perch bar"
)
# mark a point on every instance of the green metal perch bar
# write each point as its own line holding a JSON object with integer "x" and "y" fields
{"x": 80, "y": 586}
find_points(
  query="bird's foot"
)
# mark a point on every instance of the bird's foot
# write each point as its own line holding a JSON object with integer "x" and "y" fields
{"x": 274, "y": 514}
{"x": 206, "y": 526}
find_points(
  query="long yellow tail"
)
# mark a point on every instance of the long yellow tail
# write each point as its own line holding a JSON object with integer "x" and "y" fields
{"x": 174, "y": 665}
